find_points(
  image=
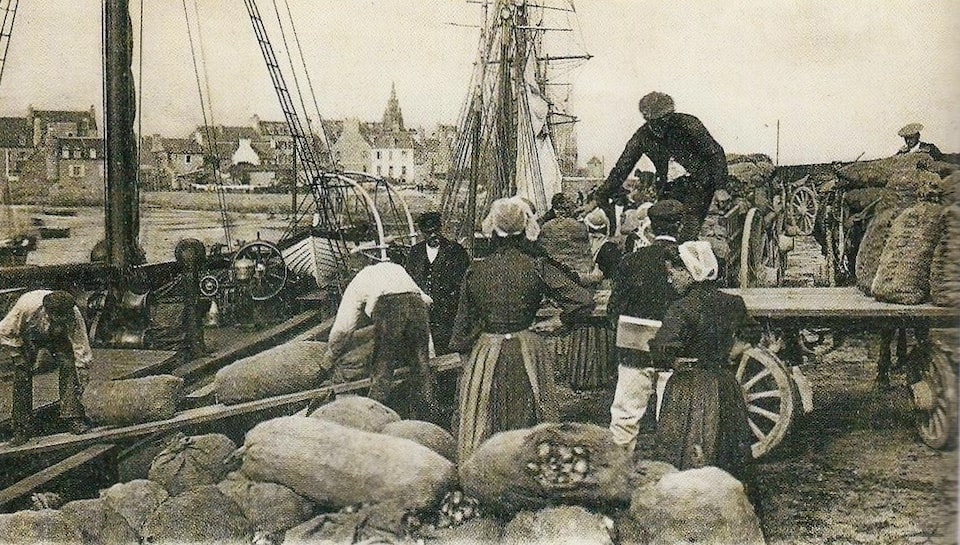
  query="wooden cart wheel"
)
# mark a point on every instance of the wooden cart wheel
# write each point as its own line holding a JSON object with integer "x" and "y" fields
{"x": 768, "y": 393}
{"x": 761, "y": 262}
{"x": 936, "y": 416}
{"x": 803, "y": 209}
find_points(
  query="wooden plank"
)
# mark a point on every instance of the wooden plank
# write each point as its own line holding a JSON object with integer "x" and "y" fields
{"x": 253, "y": 343}
{"x": 837, "y": 303}
{"x": 319, "y": 331}
{"x": 31, "y": 483}
{"x": 201, "y": 415}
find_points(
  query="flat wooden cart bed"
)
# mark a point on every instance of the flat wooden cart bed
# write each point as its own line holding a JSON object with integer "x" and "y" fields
{"x": 771, "y": 390}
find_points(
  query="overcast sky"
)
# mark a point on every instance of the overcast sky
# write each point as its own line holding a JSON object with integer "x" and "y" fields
{"x": 841, "y": 77}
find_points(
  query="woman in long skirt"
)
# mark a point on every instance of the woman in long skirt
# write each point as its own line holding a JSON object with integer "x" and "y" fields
{"x": 703, "y": 419}
{"x": 507, "y": 379}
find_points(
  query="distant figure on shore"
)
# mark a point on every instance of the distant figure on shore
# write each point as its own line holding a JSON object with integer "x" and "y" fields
{"x": 667, "y": 135}
{"x": 46, "y": 319}
{"x": 912, "y": 144}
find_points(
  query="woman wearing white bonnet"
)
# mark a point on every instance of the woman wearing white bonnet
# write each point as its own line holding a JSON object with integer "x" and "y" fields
{"x": 703, "y": 419}
{"x": 507, "y": 379}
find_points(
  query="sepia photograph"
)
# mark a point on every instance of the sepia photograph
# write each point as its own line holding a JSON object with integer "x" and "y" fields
{"x": 437, "y": 272}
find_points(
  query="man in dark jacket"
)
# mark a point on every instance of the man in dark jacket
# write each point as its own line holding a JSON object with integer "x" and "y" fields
{"x": 912, "y": 143}
{"x": 641, "y": 288}
{"x": 437, "y": 265}
{"x": 682, "y": 137}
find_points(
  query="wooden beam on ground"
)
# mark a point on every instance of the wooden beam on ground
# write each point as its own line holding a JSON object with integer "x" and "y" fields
{"x": 319, "y": 331}
{"x": 38, "y": 479}
{"x": 202, "y": 415}
{"x": 255, "y": 342}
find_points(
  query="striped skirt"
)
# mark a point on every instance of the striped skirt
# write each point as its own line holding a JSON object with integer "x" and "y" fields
{"x": 507, "y": 383}
{"x": 587, "y": 357}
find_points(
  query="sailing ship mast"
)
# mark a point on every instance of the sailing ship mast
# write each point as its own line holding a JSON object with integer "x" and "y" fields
{"x": 507, "y": 141}
{"x": 122, "y": 212}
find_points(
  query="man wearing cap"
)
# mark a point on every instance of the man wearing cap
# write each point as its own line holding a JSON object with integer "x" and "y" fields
{"x": 437, "y": 264}
{"x": 51, "y": 320}
{"x": 384, "y": 295}
{"x": 912, "y": 143}
{"x": 641, "y": 289}
{"x": 682, "y": 137}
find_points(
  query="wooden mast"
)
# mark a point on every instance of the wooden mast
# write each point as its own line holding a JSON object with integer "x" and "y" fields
{"x": 122, "y": 212}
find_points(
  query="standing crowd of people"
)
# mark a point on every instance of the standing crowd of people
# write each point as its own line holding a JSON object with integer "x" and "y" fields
{"x": 638, "y": 242}
{"x": 665, "y": 340}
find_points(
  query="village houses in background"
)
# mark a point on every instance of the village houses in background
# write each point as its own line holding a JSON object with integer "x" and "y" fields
{"x": 62, "y": 150}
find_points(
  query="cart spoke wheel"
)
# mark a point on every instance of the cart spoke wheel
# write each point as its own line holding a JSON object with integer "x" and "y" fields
{"x": 803, "y": 209}
{"x": 761, "y": 262}
{"x": 937, "y": 427}
{"x": 768, "y": 394}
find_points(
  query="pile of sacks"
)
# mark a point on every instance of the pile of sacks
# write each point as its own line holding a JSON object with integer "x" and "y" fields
{"x": 353, "y": 471}
{"x": 910, "y": 250}
{"x": 750, "y": 178}
{"x": 916, "y": 172}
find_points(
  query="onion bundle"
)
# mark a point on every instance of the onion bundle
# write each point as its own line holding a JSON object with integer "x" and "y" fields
{"x": 457, "y": 508}
{"x": 559, "y": 465}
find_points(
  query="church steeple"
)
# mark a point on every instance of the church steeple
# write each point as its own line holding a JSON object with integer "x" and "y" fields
{"x": 392, "y": 117}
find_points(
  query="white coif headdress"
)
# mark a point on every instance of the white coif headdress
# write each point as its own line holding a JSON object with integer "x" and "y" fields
{"x": 697, "y": 256}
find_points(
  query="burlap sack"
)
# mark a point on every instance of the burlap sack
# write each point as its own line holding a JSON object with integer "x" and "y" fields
{"x": 917, "y": 181}
{"x": 357, "y": 412}
{"x": 46, "y": 526}
{"x": 558, "y": 526}
{"x": 903, "y": 275}
{"x": 135, "y": 500}
{"x": 704, "y": 505}
{"x": 945, "y": 266}
{"x": 375, "y": 523}
{"x": 736, "y": 158}
{"x": 100, "y": 523}
{"x": 132, "y": 401}
{"x": 189, "y": 462}
{"x": 500, "y": 474}
{"x": 871, "y": 246}
{"x": 752, "y": 174}
{"x": 268, "y": 507}
{"x": 878, "y": 172}
{"x": 567, "y": 241}
{"x": 858, "y": 199}
{"x": 337, "y": 466}
{"x": 283, "y": 369}
{"x": 427, "y": 434}
{"x": 353, "y": 361}
{"x": 949, "y": 188}
{"x": 200, "y": 515}
{"x": 476, "y": 531}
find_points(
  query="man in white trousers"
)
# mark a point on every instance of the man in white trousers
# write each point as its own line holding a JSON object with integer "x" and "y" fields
{"x": 641, "y": 294}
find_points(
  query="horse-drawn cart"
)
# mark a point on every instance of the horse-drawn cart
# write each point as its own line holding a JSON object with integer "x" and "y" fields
{"x": 775, "y": 390}
{"x": 771, "y": 391}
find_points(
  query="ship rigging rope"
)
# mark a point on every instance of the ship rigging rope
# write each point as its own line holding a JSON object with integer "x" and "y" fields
{"x": 208, "y": 120}
{"x": 301, "y": 208}
{"x": 313, "y": 95}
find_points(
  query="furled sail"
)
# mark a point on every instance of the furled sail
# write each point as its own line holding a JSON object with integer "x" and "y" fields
{"x": 515, "y": 131}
